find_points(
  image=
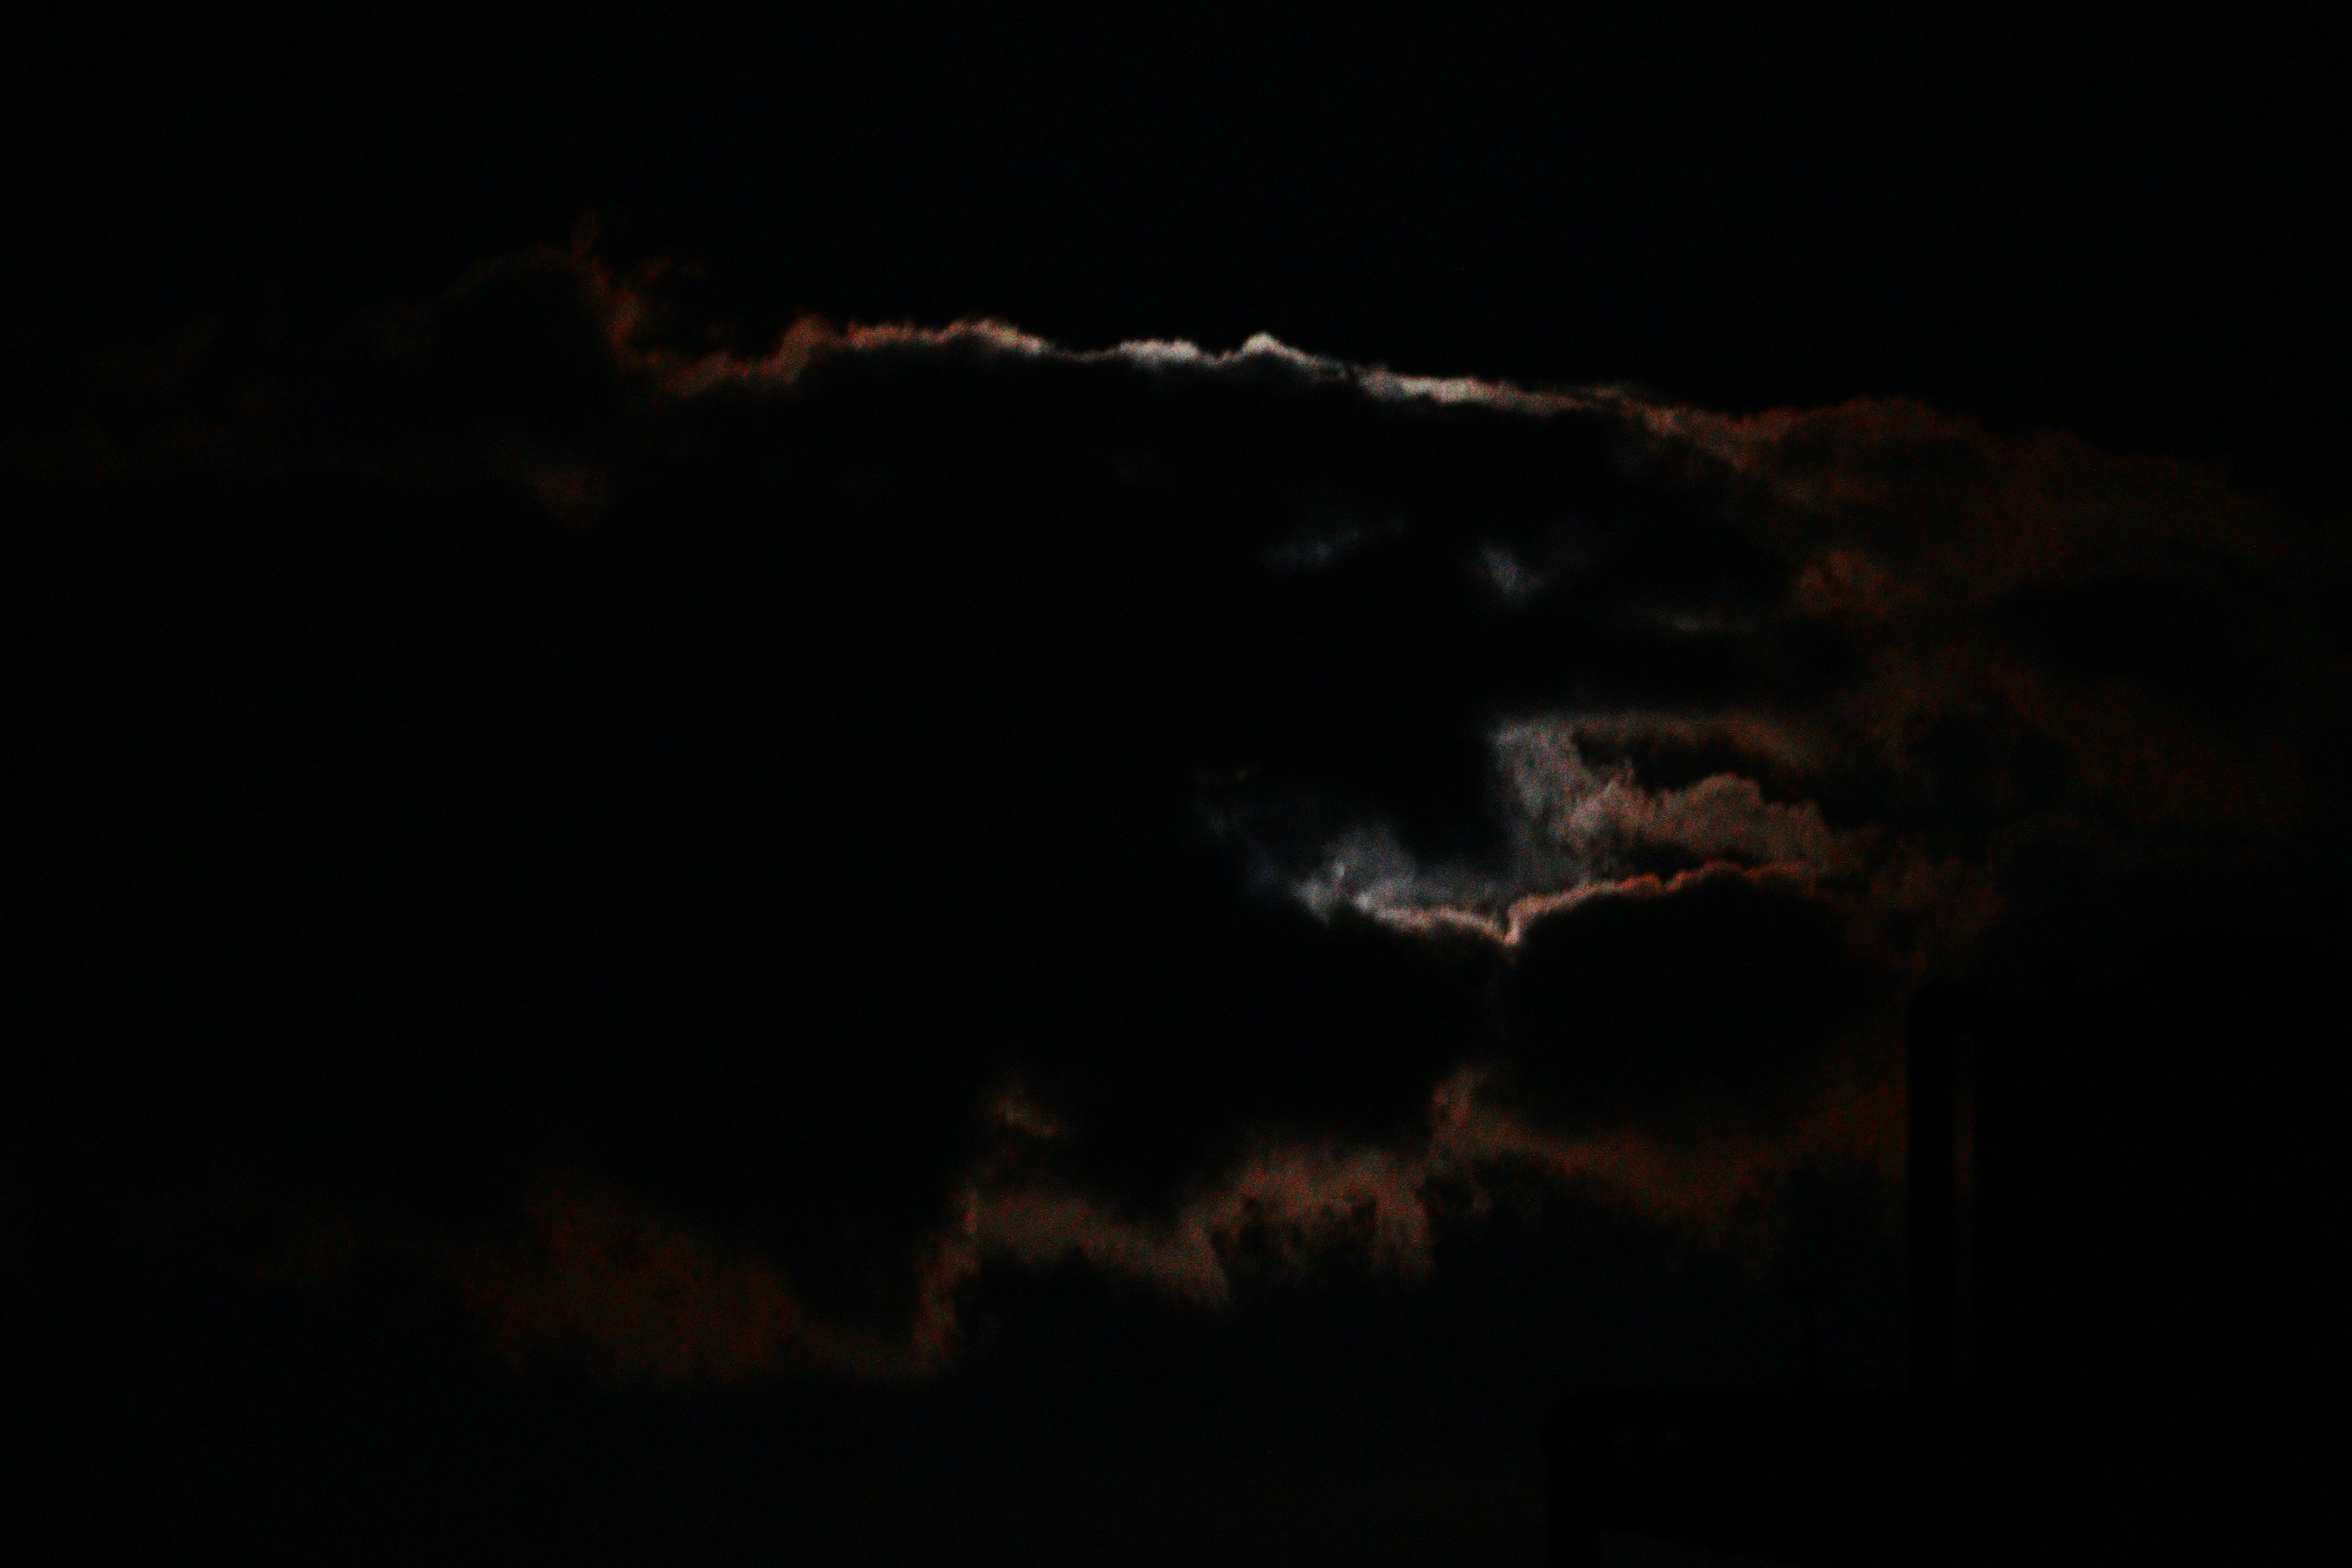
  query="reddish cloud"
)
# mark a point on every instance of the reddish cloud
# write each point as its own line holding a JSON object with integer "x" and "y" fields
{"x": 631, "y": 1292}
{"x": 614, "y": 1285}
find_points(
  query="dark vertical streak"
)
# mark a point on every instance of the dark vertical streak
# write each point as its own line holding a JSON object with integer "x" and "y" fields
{"x": 1931, "y": 1036}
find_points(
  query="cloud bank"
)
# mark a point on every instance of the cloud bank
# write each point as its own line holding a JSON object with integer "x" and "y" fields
{"x": 496, "y": 743}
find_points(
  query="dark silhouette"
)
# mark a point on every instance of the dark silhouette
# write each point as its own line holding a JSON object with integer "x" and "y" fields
{"x": 2114, "y": 1299}
{"x": 1814, "y": 1474}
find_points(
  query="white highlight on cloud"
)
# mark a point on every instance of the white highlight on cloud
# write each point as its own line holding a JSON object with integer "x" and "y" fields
{"x": 1572, "y": 830}
{"x": 1379, "y": 382}
{"x": 808, "y": 339}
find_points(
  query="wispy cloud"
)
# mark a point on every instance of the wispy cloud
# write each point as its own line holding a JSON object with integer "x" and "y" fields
{"x": 638, "y": 1296}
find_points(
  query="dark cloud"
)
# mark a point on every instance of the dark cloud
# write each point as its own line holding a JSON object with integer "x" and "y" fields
{"x": 1719, "y": 995}
{"x": 489, "y": 743}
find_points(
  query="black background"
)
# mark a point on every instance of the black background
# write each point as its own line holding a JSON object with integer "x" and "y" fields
{"x": 2124, "y": 229}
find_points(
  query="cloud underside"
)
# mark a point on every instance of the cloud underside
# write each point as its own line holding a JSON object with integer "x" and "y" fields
{"x": 1615, "y": 767}
{"x": 635, "y": 1294}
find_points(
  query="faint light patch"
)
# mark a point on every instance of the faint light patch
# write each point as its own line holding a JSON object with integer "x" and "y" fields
{"x": 1315, "y": 551}
{"x": 1697, "y": 623}
{"x": 1016, "y": 1112}
{"x": 1512, "y": 580}
{"x": 1329, "y": 537}
{"x": 616, "y": 1283}
{"x": 572, "y": 491}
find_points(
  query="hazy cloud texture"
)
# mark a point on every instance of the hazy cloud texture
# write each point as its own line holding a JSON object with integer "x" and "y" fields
{"x": 1326, "y": 791}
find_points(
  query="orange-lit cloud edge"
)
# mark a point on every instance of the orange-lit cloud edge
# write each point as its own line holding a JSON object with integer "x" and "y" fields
{"x": 634, "y": 1294}
{"x": 1903, "y": 519}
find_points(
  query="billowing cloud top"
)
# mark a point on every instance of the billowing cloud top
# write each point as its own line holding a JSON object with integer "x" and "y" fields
{"x": 789, "y": 834}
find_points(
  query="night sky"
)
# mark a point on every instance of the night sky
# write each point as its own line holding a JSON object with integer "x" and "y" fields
{"x": 964, "y": 790}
